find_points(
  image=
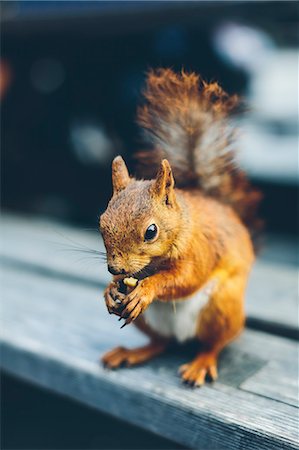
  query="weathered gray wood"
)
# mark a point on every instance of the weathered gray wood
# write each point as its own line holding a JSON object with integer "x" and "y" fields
{"x": 54, "y": 248}
{"x": 282, "y": 249}
{"x": 53, "y": 331}
{"x": 277, "y": 380}
{"x": 272, "y": 298}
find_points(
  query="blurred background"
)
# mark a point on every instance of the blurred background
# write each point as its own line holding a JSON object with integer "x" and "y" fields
{"x": 70, "y": 81}
{"x": 71, "y": 75}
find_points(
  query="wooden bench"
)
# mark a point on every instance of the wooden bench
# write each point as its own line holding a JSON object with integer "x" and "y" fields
{"x": 55, "y": 327}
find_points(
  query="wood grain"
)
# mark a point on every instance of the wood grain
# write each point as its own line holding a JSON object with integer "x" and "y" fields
{"x": 53, "y": 248}
{"x": 53, "y": 332}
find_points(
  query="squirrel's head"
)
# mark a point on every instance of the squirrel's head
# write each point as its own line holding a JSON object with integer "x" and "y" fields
{"x": 142, "y": 221}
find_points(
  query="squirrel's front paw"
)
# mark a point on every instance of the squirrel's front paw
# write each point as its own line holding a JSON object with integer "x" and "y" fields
{"x": 136, "y": 302}
{"x": 114, "y": 299}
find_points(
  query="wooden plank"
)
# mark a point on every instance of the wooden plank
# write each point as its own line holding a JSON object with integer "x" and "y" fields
{"x": 277, "y": 381}
{"x": 55, "y": 249}
{"x": 281, "y": 249}
{"x": 272, "y": 298}
{"x": 53, "y": 331}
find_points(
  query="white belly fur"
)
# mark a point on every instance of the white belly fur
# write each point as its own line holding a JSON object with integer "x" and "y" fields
{"x": 178, "y": 321}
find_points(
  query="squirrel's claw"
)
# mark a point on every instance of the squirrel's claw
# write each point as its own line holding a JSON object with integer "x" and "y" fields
{"x": 109, "y": 303}
{"x": 113, "y": 299}
{"x": 130, "y": 306}
{"x": 134, "y": 304}
{"x": 196, "y": 372}
{"x": 128, "y": 320}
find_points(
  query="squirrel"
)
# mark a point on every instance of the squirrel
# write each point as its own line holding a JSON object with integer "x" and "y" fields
{"x": 182, "y": 227}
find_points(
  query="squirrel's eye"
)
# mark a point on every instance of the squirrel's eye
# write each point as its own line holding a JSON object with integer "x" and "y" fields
{"x": 151, "y": 232}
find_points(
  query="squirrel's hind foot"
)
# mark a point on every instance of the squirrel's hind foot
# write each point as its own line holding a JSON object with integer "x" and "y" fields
{"x": 202, "y": 367}
{"x": 121, "y": 356}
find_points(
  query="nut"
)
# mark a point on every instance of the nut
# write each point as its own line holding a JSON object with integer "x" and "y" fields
{"x": 131, "y": 282}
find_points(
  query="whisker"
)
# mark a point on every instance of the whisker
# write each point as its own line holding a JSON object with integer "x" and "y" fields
{"x": 73, "y": 246}
{"x": 91, "y": 253}
{"x": 91, "y": 229}
{"x": 91, "y": 260}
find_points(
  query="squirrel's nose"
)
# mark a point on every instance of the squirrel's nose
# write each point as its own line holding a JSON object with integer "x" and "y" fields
{"x": 116, "y": 272}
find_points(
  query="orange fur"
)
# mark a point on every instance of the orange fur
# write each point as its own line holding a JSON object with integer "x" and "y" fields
{"x": 201, "y": 241}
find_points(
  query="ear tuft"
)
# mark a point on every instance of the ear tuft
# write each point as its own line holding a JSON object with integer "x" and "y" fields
{"x": 164, "y": 184}
{"x": 120, "y": 175}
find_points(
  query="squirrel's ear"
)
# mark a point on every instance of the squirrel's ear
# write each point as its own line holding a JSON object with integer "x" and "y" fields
{"x": 120, "y": 175}
{"x": 163, "y": 186}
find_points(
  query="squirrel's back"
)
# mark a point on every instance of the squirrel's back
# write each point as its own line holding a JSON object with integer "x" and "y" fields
{"x": 188, "y": 122}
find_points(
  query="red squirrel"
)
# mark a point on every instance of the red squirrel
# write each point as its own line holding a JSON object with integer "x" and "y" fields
{"x": 181, "y": 226}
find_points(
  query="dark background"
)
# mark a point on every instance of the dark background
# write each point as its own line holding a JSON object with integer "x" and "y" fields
{"x": 73, "y": 72}
{"x": 97, "y": 54}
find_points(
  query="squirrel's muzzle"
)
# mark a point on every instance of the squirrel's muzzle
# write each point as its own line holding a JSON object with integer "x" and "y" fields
{"x": 116, "y": 272}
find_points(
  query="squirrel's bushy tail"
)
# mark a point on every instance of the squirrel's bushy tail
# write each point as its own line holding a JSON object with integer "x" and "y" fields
{"x": 187, "y": 121}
